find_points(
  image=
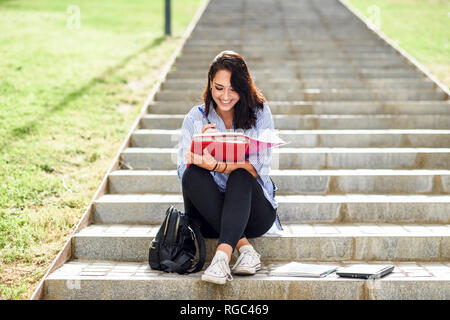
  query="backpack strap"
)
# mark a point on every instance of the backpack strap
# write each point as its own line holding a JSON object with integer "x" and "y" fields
{"x": 201, "y": 247}
{"x": 176, "y": 265}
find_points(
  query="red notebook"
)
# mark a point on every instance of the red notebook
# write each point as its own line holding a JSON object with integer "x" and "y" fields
{"x": 231, "y": 146}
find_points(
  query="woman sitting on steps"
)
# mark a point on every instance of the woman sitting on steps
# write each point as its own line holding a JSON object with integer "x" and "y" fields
{"x": 232, "y": 201}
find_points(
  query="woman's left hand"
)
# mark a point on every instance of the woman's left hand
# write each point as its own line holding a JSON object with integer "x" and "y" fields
{"x": 206, "y": 161}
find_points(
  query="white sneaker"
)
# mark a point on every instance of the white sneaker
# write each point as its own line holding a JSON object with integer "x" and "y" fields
{"x": 218, "y": 271}
{"x": 248, "y": 262}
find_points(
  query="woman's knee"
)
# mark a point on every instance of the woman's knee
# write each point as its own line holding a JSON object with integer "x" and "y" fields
{"x": 239, "y": 176}
{"x": 191, "y": 173}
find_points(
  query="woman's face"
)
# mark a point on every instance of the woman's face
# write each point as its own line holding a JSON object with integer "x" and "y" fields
{"x": 222, "y": 92}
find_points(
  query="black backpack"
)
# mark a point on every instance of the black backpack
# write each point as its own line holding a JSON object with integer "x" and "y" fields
{"x": 173, "y": 249}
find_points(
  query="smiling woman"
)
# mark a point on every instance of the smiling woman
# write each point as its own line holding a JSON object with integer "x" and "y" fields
{"x": 233, "y": 201}
{"x": 230, "y": 87}
{"x": 224, "y": 96}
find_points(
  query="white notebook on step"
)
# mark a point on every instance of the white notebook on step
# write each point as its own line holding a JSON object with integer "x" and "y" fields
{"x": 296, "y": 269}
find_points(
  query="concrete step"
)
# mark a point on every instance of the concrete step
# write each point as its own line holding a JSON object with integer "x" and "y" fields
{"x": 281, "y": 43}
{"x": 306, "y": 55}
{"x": 286, "y": 53}
{"x": 340, "y": 65}
{"x": 100, "y": 280}
{"x": 311, "y": 158}
{"x": 311, "y": 74}
{"x": 144, "y": 209}
{"x": 256, "y": 64}
{"x": 146, "y": 138}
{"x": 283, "y": 51}
{"x": 305, "y": 42}
{"x": 408, "y": 84}
{"x": 345, "y": 48}
{"x": 325, "y": 107}
{"x": 285, "y": 47}
{"x": 343, "y": 65}
{"x": 308, "y": 242}
{"x": 190, "y": 62}
{"x": 299, "y": 55}
{"x": 195, "y": 96}
{"x": 315, "y": 122}
{"x": 301, "y": 181}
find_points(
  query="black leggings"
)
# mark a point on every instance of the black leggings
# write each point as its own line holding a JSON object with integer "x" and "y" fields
{"x": 242, "y": 211}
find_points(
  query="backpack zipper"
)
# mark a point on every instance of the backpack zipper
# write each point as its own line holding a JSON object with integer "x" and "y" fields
{"x": 167, "y": 221}
{"x": 176, "y": 228}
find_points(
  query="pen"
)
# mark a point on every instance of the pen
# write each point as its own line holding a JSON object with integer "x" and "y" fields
{"x": 204, "y": 114}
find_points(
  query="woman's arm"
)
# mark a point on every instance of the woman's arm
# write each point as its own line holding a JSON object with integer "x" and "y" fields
{"x": 227, "y": 168}
{"x": 191, "y": 125}
{"x": 208, "y": 162}
{"x": 257, "y": 165}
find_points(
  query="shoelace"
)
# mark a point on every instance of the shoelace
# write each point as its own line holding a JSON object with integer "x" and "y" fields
{"x": 222, "y": 267}
{"x": 252, "y": 254}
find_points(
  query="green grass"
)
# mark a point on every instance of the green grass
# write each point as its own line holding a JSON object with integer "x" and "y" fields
{"x": 420, "y": 27}
{"x": 68, "y": 96}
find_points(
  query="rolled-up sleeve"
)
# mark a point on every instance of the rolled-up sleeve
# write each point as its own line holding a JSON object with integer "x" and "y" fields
{"x": 264, "y": 126}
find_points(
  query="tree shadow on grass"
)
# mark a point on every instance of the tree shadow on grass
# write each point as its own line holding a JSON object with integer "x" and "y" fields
{"x": 32, "y": 126}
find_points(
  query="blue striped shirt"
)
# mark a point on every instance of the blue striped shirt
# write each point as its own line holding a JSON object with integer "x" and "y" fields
{"x": 193, "y": 123}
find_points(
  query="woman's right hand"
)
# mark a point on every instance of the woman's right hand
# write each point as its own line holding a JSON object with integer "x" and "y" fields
{"x": 209, "y": 128}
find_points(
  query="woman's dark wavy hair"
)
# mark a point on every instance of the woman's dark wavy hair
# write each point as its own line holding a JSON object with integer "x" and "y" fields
{"x": 250, "y": 99}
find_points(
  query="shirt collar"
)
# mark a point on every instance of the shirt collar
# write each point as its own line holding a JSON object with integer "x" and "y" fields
{"x": 218, "y": 119}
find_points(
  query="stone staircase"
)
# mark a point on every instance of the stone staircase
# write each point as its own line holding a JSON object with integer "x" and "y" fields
{"x": 366, "y": 177}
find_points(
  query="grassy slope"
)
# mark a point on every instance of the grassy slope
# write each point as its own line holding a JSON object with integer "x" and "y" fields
{"x": 68, "y": 97}
{"x": 421, "y": 27}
